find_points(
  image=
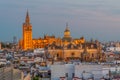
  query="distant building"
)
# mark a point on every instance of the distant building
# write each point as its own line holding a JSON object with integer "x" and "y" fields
{"x": 70, "y": 71}
{"x": 86, "y": 52}
{"x": 27, "y": 33}
{"x": 110, "y": 57}
{"x": 27, "y": 42}
{"x": 113, "y": 49}
{"x": 0, "y": 45}
{"x": 60, "y": 48}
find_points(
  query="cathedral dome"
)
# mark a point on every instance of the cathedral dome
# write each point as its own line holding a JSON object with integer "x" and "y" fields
{"x": 67, "y": 29}
{"x": 67, "y": 36}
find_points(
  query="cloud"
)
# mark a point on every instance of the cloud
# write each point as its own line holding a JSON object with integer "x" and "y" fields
{"x": 87, "y": 17}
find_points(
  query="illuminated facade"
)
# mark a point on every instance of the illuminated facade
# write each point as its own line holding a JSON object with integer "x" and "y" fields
{"x": 88, "y": 51}
{"x": 60, "y": 48}
{"x": 27, "y": 42}
{"x": 27, "y": 33}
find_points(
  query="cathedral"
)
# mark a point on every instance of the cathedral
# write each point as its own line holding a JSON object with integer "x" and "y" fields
{"x": 60, "y": 48}
{"x": 27, "y": 42}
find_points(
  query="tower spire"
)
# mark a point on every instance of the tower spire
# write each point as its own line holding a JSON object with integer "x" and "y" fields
{"x": 67, "y": 28}
{"x": 27, "y": 20}
{"x": 66, "y": 24}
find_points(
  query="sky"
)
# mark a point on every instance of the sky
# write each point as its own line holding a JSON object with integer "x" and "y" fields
{"x": 96, "y": 19}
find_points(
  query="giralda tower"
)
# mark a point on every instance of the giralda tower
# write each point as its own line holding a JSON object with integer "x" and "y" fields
{"x": 27, "y": 33}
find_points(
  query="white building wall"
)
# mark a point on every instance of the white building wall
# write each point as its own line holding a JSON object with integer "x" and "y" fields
{"x": 70, "y": 70}
{"x": 87, "y": 71}
{"x": 113, "y": 49}
{"x": 81, "y": 71}
{"x": 58, "y": 71}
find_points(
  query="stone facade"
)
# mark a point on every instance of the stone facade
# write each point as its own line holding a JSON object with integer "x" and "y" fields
{"x": 72, "y": 51}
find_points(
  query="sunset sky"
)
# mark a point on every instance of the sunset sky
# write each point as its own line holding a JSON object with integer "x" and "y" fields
{"x": 97, "y": 19}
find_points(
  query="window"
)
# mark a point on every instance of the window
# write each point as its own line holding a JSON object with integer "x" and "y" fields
{"x": 73, "y": 74}
{"x": 66, "y": 74}
{"x": 57, "y": 55}
{"x": 72, "y": 54}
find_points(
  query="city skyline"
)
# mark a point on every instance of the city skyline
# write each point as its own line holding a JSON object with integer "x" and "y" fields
{"x": 91, "y": 19}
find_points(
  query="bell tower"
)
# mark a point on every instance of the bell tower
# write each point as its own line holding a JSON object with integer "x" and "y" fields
{"x": 27, "y": 33}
